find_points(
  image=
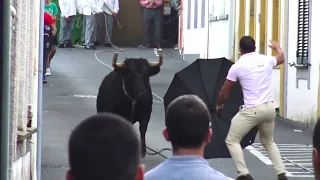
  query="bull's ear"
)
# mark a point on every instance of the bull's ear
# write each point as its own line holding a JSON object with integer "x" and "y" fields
{"x": 153, "y": 70}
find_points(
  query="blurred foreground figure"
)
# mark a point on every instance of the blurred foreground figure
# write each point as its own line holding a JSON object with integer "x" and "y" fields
{"x": 316, "y": 150}
{"x": 188, "y": 129}
{"x": 104, "y": 146}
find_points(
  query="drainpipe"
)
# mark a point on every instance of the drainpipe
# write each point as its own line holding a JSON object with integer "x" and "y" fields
{"x": 40, "y": 85}
{"x": 208, "y": 28}
{"x": 231, "y": 28}
{"x": 5, "y": 52}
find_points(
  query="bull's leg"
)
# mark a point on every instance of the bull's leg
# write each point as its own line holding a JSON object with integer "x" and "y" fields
{"x": 143, "y": 129}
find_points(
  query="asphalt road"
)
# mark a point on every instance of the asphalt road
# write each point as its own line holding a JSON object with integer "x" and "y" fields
{"x": 69, "y": 97}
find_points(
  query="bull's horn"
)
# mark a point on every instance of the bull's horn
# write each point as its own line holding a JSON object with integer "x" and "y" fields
{"x": 160, "y": 59}
{"x": 114, "y": 61}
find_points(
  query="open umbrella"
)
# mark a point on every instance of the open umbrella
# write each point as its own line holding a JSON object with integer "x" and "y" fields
{"x": 204, "y": 78}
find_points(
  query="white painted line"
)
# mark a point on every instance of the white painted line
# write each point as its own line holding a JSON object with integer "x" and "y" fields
{"x": 260, "y": 156}
{"x": 86, "y": 96}
{"x": 291, "y": 151}
{"x": 300, "y": 172}
{"x": 293, "y": 154}
{"x": 291, "y": 164}
{"x": 300, "y": 157}
{"x": 296, "y": 168}
{"x": 300, "y": 145}
{"x": 296, "y": 148}
{"x": 301, "y": 160}
{"x": 301, "y": 164}
{"x": 300, "y": 176}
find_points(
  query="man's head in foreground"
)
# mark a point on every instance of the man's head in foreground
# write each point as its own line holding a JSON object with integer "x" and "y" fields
{"x": 188, "y": 125}
{"x": 104, "y": 146}
{"x": 247, "y": 45}
{"x": 316, "y": 150}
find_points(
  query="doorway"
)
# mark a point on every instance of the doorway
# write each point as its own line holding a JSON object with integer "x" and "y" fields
{"x": 170, "y": 26}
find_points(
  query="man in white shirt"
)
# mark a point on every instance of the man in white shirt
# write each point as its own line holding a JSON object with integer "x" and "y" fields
{"x": 88, "y": 9}
{"x": 254, "y": 72}
{"x": 68, "y": 10}
{"x": 110, "y": 8}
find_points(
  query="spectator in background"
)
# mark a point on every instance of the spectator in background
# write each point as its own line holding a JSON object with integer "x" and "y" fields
{"x": 110, "y": 9}
{"x": 188, "y": 129}
{"x": 52, "y": 9}
{"x": 67, "y": 20}
{"x": 152, "y": 12}
{"x": 316, "y": 150}
{"x": 49, "y": 31}
{"x": 103, "y": 147}
{"x": 88, "y": 9}
{"x": 174, "y": 18}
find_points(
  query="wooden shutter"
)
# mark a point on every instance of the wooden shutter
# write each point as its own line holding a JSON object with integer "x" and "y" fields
{"x": 303, "y": 32}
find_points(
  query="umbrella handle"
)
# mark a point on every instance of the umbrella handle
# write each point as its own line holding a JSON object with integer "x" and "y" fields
{"x": 219, "y": 113}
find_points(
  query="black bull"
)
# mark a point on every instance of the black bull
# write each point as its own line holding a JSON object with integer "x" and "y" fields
{"x": 126, "y": 91}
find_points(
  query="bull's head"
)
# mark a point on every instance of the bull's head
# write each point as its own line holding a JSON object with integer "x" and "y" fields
{"x": 135, "y": 74}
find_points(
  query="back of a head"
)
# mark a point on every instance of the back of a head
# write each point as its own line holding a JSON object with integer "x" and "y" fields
{"x": 247, "y": 44}
{"x": 316, "y": 136}
{"x": 187, "y": 121}
{"x": 104, "y": 146}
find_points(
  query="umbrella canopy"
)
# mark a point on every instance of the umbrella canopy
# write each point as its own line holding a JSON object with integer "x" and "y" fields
{"x": 204, "y": 78}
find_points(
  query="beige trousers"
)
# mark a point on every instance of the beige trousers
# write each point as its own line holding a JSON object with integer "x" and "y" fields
{"x": 262, "y": 116}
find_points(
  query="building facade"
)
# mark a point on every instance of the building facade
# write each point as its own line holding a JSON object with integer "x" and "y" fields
{"x": 295, "y": 83}
{"x": 24, "y": 89}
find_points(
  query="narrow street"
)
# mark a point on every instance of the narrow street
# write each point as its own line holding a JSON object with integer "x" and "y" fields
{"x": 70, "y": 97}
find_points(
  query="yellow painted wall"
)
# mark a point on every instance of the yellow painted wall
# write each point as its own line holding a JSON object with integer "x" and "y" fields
{"x": 263, "y": 43}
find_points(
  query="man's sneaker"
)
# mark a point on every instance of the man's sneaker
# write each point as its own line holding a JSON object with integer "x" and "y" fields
{"x": 90, "y": 47}
{"x": 245, "y": 177}
{"x": 45, "y": 81}
{"x": 48, "y": 72}
{"x": 69, "y": 45}
{"x": 107, "y": 45}
{"x": 282, "y": 176}
{"x": 61, "y": 45}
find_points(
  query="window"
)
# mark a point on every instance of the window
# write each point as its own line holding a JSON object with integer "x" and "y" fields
{"x": 303, "y": 32}
{"x": 219, "y": 8}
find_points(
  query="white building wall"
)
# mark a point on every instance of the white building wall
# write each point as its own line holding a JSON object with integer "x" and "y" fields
{"x": 301, "y": 101}
{"x": 195, "y": 38}
{"x": 23, "y": 85}
{"x": 220, "y": 39}
{"x": 276, "y": 87}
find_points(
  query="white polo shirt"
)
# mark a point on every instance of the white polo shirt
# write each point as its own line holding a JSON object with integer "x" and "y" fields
{"x": 254, "y": 72}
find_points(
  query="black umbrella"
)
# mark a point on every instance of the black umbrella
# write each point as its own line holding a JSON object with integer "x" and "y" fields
{"x": 204, "y": 78}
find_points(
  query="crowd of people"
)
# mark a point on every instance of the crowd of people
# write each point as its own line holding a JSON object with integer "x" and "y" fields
{"x": 97, "y": 15}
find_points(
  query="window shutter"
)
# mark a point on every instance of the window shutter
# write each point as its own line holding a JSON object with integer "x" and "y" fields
{"x": 303, "y": 32}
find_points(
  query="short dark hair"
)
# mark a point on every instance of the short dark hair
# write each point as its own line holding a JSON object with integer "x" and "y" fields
{"x": 247, "y": 44}
{"x": 187, "y": 122}
{"x": 316, "y": 135}
{"x": 104, "y": 146}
